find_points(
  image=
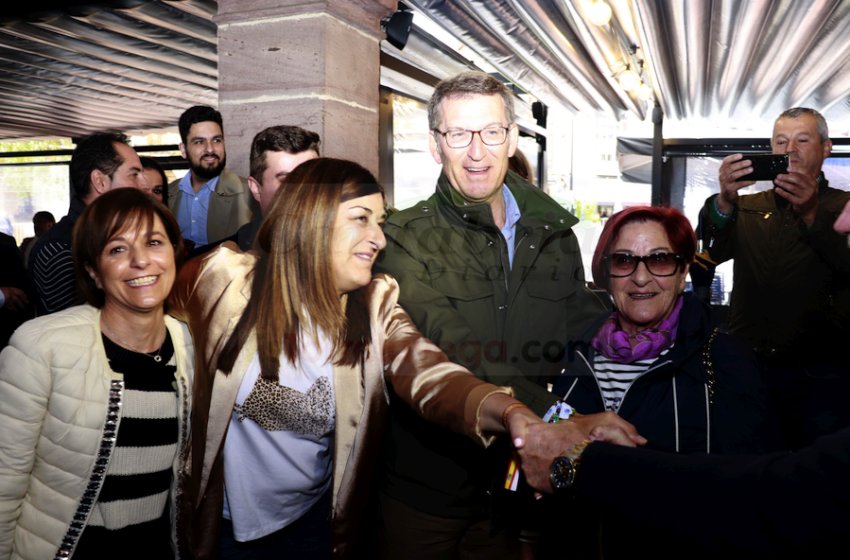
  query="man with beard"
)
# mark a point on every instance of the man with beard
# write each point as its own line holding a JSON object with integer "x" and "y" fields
{"x": 217, "y": 201}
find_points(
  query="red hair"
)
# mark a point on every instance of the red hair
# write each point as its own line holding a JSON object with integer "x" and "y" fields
{"x": 675, "y": 224}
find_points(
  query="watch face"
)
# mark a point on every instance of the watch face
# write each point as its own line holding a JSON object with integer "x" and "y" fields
{"x": 562, "y": 474}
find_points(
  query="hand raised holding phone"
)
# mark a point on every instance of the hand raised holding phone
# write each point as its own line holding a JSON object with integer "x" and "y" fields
{"x": 732, "y": 170}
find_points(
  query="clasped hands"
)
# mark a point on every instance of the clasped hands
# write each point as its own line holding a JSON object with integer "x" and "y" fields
{"x": 539, "y": 443}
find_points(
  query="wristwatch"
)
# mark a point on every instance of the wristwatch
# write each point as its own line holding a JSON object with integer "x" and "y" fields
{"x": 564, "y": 469}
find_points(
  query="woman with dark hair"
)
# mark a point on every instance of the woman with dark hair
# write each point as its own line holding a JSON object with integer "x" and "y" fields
{"x": 156, "y": 177}
{"x": 302, "y": 347}
{"x": 519, "y": 164}
{"x": 95, "y": 400}
{"x": 658, "y": 359}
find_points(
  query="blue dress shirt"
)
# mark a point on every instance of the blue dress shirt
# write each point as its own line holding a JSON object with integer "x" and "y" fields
{"x": 192, "y": 214}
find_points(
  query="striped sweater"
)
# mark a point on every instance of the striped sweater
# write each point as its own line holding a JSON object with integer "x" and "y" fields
{"x": 615, "y": 378}
{"x": 131, "y": 509}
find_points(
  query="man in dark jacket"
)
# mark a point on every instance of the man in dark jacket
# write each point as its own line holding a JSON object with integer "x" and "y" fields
{"x": 491, "y": 272}
{"x": 275, "y": 152}
{"x": 791, "y": 297}
{"x": 15, "y": 307}
{"x": 100, "y": 163}
{"x": 780, "y": 505}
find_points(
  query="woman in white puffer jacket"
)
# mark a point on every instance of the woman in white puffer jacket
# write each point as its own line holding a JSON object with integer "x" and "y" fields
{"x": 95, "y": 400}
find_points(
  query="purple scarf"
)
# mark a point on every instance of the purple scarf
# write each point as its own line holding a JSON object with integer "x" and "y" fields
{"x": 613, "y": 342}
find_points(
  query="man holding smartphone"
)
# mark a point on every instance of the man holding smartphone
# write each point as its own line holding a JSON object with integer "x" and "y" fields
{"x": 791, "y": 297}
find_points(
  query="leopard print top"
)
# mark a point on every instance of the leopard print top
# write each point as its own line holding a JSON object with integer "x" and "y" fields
{"x": 277, "y": 408}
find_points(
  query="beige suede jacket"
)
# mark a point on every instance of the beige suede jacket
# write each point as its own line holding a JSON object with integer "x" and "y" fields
{"x": 211, "y": 293}
{"x": 60, "y": 409}
{"x": 231, "y": 205}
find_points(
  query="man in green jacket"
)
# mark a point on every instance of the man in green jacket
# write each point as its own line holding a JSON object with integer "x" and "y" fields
{"x": 791, "y": 298}
{"x": 491, "y": 272}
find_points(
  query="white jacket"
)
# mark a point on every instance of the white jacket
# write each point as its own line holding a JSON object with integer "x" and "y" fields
{"x": 60, "y": 407}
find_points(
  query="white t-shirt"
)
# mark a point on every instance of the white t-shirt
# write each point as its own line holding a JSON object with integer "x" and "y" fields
{"x": 277, "y": 455}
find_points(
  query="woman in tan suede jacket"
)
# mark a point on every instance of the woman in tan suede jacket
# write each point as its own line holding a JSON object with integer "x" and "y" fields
{"x": 310, "y": 287}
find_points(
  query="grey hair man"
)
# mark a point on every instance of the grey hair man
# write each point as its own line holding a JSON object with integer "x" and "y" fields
{"x": 490, "y": 271}
{"x": 792, "y": 291}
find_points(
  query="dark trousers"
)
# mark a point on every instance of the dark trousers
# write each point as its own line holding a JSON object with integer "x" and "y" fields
{"x": 810, "y": 400}
{"x": 409, "y": 534}
{"x": 308, "y": 537}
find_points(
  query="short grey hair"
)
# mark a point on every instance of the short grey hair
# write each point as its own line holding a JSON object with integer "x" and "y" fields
{"x": 797, "y": 112}
{"x": 466, "y": 85}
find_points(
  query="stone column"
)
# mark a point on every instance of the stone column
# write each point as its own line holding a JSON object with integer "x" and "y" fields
{"x": 314, "y": 64}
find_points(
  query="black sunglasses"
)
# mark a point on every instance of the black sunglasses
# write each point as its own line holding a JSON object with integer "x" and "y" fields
{"x": 658, "y": 264}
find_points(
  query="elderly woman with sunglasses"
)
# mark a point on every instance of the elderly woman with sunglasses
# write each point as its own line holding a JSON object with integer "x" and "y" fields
{"x": 658, "y": 359}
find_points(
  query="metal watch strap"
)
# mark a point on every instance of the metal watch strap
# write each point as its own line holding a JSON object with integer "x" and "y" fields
{"x": 570, "y": 461}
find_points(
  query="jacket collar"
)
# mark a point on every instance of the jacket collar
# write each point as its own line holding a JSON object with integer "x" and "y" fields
{"x": 823, "y": 184}
{"x": 76, "y": 209}
{"x": 537, "y": 209}
{"x": 228, "y": 183}
{"x": 696, "y": 323}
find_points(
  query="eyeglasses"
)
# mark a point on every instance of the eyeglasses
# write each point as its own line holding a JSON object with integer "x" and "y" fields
{"x": 459, "y": 138}
{"x": 658, "y": 264}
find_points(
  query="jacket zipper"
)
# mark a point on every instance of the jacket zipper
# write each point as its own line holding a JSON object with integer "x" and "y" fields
{"x": 516, "y": 249}
{"x": 626, "y": 392}
{"x": 675, "y": 404}
{"x": 713, "y": 229}
{"x": 765, "y": 214}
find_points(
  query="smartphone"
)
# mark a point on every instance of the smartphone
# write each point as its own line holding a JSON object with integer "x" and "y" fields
{"x": 765, "y": 166}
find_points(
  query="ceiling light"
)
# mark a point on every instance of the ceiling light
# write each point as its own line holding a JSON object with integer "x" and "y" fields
{"x": 599, "y": 13}
{"x": 644, "y": 92}
{"x": 629, "y": 80}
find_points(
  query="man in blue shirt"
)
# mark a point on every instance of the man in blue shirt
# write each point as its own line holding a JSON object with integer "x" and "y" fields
{"x": 210, "y": 202}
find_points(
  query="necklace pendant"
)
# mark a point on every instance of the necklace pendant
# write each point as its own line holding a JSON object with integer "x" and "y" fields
{"x": 157, "y": 358}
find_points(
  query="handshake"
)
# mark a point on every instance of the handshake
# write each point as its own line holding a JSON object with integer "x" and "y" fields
{"x": 539, "y": 443}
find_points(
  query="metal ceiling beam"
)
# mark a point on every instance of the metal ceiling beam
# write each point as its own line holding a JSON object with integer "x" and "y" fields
{"x": 88, "y": 107}
{"x": 604, "y": 48}
{"x": 110, "y": 55}
{"x": 174, "y": 40}
{"x": 168, "y": 17}
{"x": 456, "y": 18}
{"x": 76, "y": 66}
{"x": 81, "y": 32}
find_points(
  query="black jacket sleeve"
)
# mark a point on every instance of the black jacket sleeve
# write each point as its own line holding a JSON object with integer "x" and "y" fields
{"x": 779, "y": 505}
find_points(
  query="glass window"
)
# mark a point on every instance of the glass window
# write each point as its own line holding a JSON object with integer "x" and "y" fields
{"x": 415, "y": 171}
{"x": 27, "y": 189}
{"x": 584, "y": 174}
